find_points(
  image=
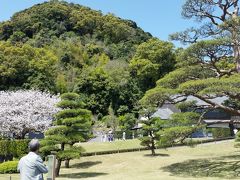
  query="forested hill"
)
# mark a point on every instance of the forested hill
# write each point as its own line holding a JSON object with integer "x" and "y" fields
{"x": 42, "y": 23}
{"x": 61, "y": 47}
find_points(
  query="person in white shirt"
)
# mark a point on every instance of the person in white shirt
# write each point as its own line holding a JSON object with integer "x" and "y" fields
{"x": 124, "y": 136}
{"x": 31, "y": 166}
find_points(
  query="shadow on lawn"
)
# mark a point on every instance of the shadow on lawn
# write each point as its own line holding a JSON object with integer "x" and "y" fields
{"x": 85, "y": 165}
{"x": 157, "y": 154}
{"x": 223, "y": 166}
{"x": 82, "y": 175}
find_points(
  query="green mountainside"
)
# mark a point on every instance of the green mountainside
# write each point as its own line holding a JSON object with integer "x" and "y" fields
{"x": 41, "y": 24}
{"x": 65, "y": 47}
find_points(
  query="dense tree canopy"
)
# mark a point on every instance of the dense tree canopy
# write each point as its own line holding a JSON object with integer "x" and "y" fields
{"x": 208, "y": 67}
{"x": 152, "y": 60}
{"x": 64, "y": 47}
{"x": 42, "y": 23}
{"x": 26, "y": 66}
{"x": 97, "y": 89}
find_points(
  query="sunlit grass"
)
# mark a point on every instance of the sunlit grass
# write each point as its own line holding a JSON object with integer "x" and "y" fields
{"x": 208, "y": 161}
{"x": 107, "y": 146}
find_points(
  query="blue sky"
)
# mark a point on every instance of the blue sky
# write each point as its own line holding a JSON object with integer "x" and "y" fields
{"x": 159, "y": 17}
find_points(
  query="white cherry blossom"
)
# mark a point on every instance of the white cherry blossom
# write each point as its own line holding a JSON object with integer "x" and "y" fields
{"x": 26, "y": 110}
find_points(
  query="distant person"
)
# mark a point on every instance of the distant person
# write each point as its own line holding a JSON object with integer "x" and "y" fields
{"x": 31, "y": 166}
{"x": 124, "y": 136}
{"x": 110, "y": 137}
{"x": 235, "y": 131}
{"x": 105, "y": 138}
{"x": 102, "y": 137}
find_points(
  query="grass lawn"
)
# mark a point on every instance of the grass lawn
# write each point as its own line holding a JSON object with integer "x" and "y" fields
{"x": 116, "y": 145}
{"x": 208, "y": 161}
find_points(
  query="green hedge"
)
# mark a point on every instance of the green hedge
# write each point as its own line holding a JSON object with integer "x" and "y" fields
{"x": 220, "y": 132}
{"x": 8, "y": 167}
{"x": 13, "y": 148}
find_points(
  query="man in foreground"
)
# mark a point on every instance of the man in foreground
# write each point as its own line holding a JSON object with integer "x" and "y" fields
{"x": 31, "y": 166}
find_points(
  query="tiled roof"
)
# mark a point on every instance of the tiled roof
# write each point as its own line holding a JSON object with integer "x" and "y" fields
{"x": 168, "y": 109}
{"x": 163, "y": 113}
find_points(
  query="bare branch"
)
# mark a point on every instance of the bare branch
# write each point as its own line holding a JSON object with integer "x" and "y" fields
{"x": 215, "y": 105}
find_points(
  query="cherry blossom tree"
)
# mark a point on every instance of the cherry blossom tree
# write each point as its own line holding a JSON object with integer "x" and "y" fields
{"x": 26, "y": 110}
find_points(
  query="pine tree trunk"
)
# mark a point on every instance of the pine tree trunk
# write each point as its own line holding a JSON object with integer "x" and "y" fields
{"x": 235, "y": 34}
{"x": 153, "y": 151}
{"x": 59, "y": 162}
{"x": 152, "y": 144}
{"x": 236, "y": 51}
{"x": 67, "y": 163}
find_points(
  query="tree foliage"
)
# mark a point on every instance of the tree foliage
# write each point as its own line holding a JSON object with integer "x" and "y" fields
{"x": 152, "y": 60}
{"x": 127, "y": 121}
{"x": 26, "y": 67}
{"x": 179, "y": 127}
{"x": 97, "y": 89}
{"x": 162, "y": 133}
{"x": 208, "y": 67}
{"x": 65, "y": 47}
{"x": 44, "y": 22}
{"x": 26, "y": 111}
{"x": 72, "y": 125}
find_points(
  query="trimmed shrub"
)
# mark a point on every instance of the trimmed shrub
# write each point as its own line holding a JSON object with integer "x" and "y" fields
{"x": 8, "y": 167}
{"x": 21, "y": 147}
{"x": 13, "y": 148}
{"x": 70, "y": 104}
{"x": 220, "y": 132}
{"x": 5, "y": 147}
{"x": 67, "y": 113}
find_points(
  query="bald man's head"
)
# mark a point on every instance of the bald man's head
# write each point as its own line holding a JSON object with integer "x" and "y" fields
{"x": 34, "y": 145}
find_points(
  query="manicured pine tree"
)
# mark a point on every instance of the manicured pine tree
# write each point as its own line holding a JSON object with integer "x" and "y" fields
{"x": 150, "y": 128}
{"x": 72, "y": 125}
{"x": 162, "y": 133}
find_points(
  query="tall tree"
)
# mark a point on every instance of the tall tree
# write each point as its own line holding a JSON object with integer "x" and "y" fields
{"x": 24, "y": 111}
{"x": 95, "y": 87}
{"x": 111, "y": 120}
{"x": 127, "y": 121}
{"x": 152, "y": 60}
{"x": 72, "y": 125}
{"x": 220, "y": 18}
{"x": 208, "y": 68}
